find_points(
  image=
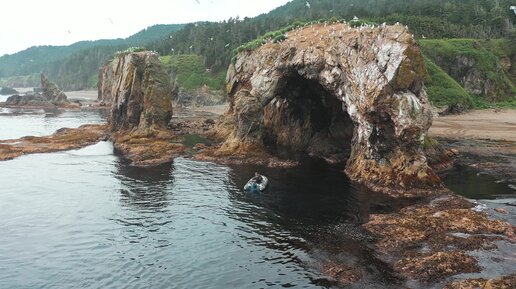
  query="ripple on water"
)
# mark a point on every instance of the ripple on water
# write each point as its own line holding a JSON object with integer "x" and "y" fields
{"x": 87, "y": 219}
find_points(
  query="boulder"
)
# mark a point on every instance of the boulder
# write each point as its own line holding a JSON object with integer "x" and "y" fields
{"x": 334, "y": 90}
{"x": 137, "y": 88}
{"x": 52, "y": 92}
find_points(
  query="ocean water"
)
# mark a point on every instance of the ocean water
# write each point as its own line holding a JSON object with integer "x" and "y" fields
{"x": 87, "y": 219}
{"x": 19, "y": 122}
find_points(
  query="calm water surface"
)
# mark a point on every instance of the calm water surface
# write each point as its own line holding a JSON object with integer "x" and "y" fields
{"x": 86, "y": 219}
{"x": 475, "y": 185}
{"x": 19, "y": 122}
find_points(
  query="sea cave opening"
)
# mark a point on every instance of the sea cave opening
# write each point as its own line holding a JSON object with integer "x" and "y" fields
{"x": 306, "y": 119}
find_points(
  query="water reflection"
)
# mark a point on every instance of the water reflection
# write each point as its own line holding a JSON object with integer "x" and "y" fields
{"x": 310, "y": 215}
{"x": 145, "y": 188}
{"x": 107, "y": 224}
{"x": 473, "y": 184}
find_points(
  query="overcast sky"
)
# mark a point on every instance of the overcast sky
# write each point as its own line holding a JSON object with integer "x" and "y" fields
{"x": 25, "y": 23}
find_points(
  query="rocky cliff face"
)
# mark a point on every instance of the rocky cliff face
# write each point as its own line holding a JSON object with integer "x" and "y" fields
{"x": 138, "y": 89}
{"x": 336, "y": 91}
{"x": 199, "y": 97}
{"x": 466, "y": 70}
{"x": 481, "y": 67}
{"x": 52, "y": 92}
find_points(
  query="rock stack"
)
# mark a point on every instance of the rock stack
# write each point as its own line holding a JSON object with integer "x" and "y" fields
{"x": 337, "y": 90}
{"x": 137, "y": 88}
{"x": 52, "y": 92}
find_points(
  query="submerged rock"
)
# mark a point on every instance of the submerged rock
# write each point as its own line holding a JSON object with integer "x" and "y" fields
{"x": 336, "y": 90}
{"x": 138, "y": 89}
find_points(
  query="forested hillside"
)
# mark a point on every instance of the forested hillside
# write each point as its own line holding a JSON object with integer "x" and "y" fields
{"x": 428, "y": 18}
{"x": 215, "y": 42}
{"x": 73, "y": 66}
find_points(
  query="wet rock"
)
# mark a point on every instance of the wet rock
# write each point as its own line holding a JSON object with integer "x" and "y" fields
{"x": 437, "y": 266}
{"x": 28, "y": 100}
{"x": 336, "y": 90}
{"x": 52, "y": 92}
{"x": 63, "y": 139}
{"x": 438, "y": 157}
{"x": 138, "y": 89}
{"x": 505, "y": 282}
{"x": 430, "y": 241}
{"x": 148, "y": 148}
{"x": 199, "y": 146}
{"x": 432, "y": 225}
{"x": 501, "y": 210}
{"x": 343, "y": 273}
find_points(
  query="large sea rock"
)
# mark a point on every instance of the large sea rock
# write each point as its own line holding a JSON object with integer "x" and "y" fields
{"x": 137, "y": 88}
{"x": 334, "y": 90}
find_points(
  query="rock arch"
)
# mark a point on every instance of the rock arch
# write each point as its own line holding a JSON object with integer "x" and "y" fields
{"x": 310, "y": 91}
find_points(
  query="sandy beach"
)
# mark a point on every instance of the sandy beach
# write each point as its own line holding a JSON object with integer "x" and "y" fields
{"x": 478, "y": 124}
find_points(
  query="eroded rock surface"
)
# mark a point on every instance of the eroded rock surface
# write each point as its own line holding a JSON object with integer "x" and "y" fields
{"x": 50, "y": 96}
{"x": 336, "y": 92}
{"x": 63, "y": 139}
{"x": 52, "y": 92}
{"x": 28, "y": 100}
{"x": 138, "y": 89}
{"x": 434, "y": 240}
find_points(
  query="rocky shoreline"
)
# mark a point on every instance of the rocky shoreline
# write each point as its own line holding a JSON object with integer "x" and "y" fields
{"x": 63, "y": 139}
{"x": 430, "y": 240}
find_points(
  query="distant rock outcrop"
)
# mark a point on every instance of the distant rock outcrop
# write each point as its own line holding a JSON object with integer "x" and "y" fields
{"x": 52, "y": 92}
{"x": 199, "y": 97}
{"x": 137, "y": 88}
{"x": 7, "y": 91}
{"x": 334, "y": 91}
{"x": 50, "y": 96}
{"x": 33, "y": 100}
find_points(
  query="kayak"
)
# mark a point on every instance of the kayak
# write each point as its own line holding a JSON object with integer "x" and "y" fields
{"x": 254, "y": 187}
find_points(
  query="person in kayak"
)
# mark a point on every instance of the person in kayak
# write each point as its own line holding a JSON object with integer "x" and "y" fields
{"x": 257, "y": 178}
